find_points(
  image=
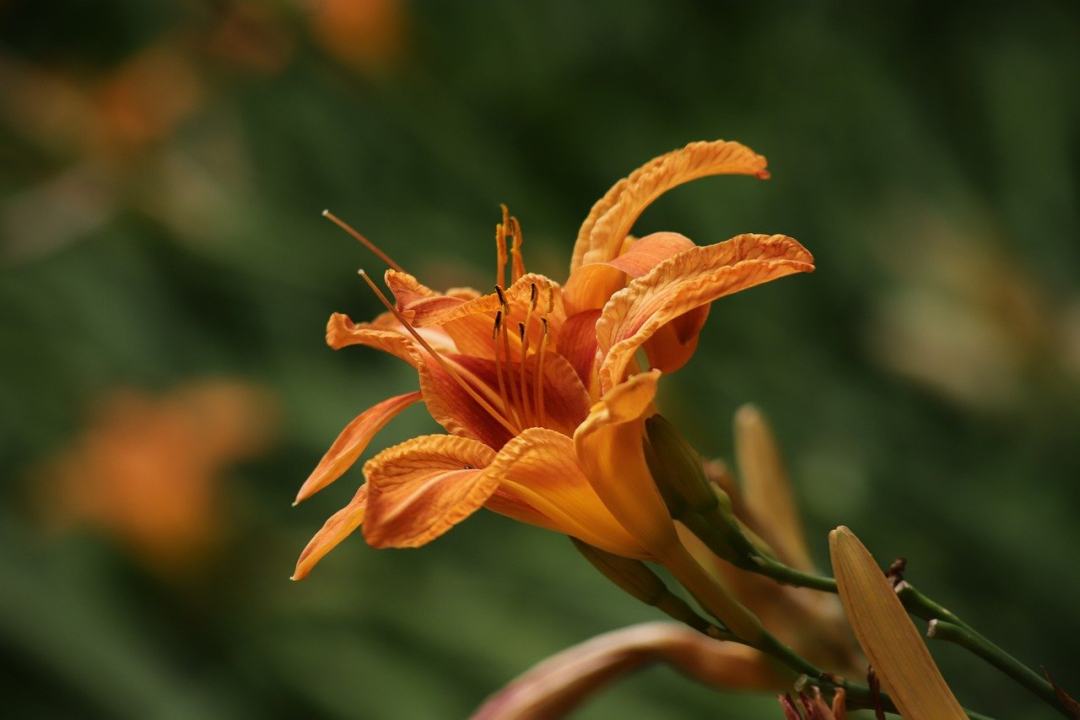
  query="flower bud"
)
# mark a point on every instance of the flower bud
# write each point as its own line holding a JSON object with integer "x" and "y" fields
{"x": 678, "y": 470}
{"x": 637, "y": 580}
{"x": 691, "y": 499}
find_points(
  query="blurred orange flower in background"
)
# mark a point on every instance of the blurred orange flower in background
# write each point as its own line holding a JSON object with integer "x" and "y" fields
{"x": 148, "y": 470}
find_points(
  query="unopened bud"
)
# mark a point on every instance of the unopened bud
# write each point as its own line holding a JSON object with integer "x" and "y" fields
{"x": 633, "y": 576}
{"x": 678, "y": 470}
{"x": 637, "y": 580}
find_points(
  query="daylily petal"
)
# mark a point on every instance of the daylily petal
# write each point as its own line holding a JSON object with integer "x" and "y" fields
{"x": 613, "y": 216}
{"x": 609, "y": 449}
{"x": 589, "y": 287}
{"x": 540, "y": 482}
{"x": 562, "y": 682}
{"x": 338, "y": 527}
{"x": 766, "y": 489}
{"x": 892, "y": 644}
{"x": 351, "y": 443}
{"x": 687, "y": 281}
{"x": 421, "y": 488}
{"x": 674, "y": 343}
{"x": 407, "y": 290}
{"x": 518, "y": 296}
{"x": 577, "y": 343}
{"x": 386, "y": 334}
{"x": 648, "y": 252}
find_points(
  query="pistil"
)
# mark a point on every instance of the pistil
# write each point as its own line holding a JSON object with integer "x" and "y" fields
{"x": 364, "y": 241}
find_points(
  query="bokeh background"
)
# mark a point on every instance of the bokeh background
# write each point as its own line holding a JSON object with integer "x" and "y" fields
{"x": 166, "y": 279}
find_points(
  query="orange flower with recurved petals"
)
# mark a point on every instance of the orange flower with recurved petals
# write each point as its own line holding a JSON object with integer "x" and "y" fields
{"x": 537, "y": 383}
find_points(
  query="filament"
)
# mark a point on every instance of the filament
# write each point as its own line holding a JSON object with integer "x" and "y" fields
{"x": 498, "y": 363}
{"x": 515, "y": 249}
{"x": 521, "y": 371}
{"x": 500, "y": 248}
{"x": 540, "y": 373}
{"x": 505, "y": 338}
{"x": 363, "y": 240}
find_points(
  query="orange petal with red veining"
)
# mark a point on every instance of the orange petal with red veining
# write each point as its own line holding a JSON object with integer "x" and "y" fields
{"x": 612, "y": 217}
{"x": 338, "y": 527}
{"x": 648, "y": 252}
{"x": 577, "y": 343}
{"x": 894, "y": 647}
{"x": 541, "y": 483}
{"x": 352, "y": 441}
{"x": 687, "y": 281}
{"x": 421, "y": 488}
{"x": 590, "y": 286}
{"x": 407, "y": 290}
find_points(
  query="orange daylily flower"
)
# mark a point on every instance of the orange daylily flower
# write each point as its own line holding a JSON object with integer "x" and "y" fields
{"x": 536, "y": 383}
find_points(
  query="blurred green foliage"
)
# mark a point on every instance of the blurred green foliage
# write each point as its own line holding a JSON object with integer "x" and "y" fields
{"x": 162, "y": 225}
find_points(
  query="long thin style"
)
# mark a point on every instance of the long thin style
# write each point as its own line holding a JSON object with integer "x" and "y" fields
{"x": 363, "y": 240}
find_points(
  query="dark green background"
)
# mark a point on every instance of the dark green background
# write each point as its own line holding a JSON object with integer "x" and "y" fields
{"x": 892, "y": 129}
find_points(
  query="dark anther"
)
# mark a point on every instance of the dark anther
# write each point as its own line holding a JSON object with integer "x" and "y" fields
{"x": 895, "y": 573}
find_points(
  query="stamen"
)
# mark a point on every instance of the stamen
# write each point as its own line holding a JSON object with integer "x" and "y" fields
{"x": 524, "y": 354}
{"x": 540, "y": 373}
{"x": 438, "y": 358}
{"x": 498, "y": 363}
{"x": 363, "y": 240}
{"x": 505, "y": 338}
{"x": 523, "y": 330}
{"x": 500, "y": 248}
{"x": 515, "y": 249}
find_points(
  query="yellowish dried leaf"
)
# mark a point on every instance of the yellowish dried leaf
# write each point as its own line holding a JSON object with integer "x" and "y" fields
{"x": 894, "y": 647}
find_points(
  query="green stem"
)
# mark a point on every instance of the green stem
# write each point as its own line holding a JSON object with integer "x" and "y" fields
{"x": 991, "y": 653}
{"x": 857, "y": 695}
{"x": 950, "y": 626}
{"x": 921, "y": 606}
{"x": 790, "y": 576}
